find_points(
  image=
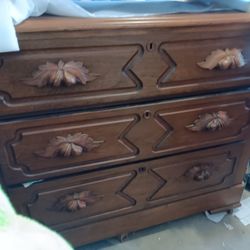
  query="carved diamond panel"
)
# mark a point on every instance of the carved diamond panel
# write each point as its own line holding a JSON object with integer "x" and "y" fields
{"x": 168, "y": 130}
{"x": 150, "y": 68}
{"x": 144, "y": 185}
{"x": 170, "y": 70}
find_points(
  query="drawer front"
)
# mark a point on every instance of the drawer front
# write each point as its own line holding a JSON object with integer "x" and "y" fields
{"x": 76, "y": 198}
{"x": 205, "y": 62}
{"x": 91, "y": 197}
{"x": 58, "y": 78}
{"x": 47, "y": 80}
{"x": 52, "y": 146}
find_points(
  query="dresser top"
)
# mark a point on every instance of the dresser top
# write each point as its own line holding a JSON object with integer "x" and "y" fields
{"x": 45, "y": 23}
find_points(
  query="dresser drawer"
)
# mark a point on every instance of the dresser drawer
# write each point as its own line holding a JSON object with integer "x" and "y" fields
{"x": 93, "y": 197}
{"x": 60, "y": 78}
{"x": 52, "y": 146}
{"x": 81, "y": 77}
{"x": 205, "y": 62}
{"x": 75, "y": 199}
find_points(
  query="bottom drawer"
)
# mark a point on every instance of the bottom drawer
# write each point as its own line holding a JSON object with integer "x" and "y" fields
{"x": 81, "y": 199}
{"x": 222, "y": 199}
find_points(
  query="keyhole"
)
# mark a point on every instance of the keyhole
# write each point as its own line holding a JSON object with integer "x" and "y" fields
{"x": 141, "y": 170}
{"x": 150, "y": 47}
{"x": 147, "y": 114}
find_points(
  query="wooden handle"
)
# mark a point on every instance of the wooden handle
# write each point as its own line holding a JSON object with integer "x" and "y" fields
{"x": 223, "y": 59}
{"x": 71, "y": 145}
{"x": 61, "y": 74}
{"x": 75, "y": 201}
{"x": 210, "y": 122}
{"x": 199, "y": 173}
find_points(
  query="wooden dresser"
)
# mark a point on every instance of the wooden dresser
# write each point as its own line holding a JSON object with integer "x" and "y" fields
{"x": 108, "y": 126}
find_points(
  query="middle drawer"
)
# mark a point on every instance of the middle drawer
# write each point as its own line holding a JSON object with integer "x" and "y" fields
{"x": 59, "y": 145}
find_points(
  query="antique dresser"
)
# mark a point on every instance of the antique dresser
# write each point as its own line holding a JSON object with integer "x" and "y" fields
{"x": 108, "y": 126}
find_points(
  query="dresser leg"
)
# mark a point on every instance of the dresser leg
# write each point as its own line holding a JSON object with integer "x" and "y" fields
{"x": 123, "y": 237}
{"x": 229, "y": 209}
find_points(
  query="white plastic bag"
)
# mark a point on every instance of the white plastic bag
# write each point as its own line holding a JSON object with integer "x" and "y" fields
{"x": 243, "y": 5}
{"x": 22, "y": 9}
{"x": 8, "y": 40}
{"x": 16, "y": 11}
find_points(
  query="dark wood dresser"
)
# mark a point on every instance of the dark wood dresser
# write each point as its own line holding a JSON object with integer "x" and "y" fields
{"x": 108, "y": 126}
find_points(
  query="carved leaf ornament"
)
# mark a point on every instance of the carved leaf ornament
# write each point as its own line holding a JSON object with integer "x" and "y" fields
{"x": 210, "y": 122}
{"x": 224, "y": 59}
{"x": 71, "y": 145}
{"x": 76, "y": 201}
{"x": 199, "y": 173}
{"x": 61, "y": 74}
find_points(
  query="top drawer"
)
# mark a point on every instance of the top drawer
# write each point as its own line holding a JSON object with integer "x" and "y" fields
{"x": 43, "y": 80}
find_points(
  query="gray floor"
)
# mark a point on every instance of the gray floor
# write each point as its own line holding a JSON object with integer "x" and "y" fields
{"x": 194, "y": 233}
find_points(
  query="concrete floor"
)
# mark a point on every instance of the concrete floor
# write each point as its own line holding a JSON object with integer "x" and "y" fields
{"x": 194, "y": 233}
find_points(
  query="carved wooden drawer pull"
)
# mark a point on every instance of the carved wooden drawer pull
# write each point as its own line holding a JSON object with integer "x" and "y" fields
{"x": 71, "y": 145}
{"x": 223, "y": 59}
{"x": 210, "y": 122}
{"x": 76, "y": 201}
{"x": 199, "y": 173}
{"x": 61, "y": 74}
